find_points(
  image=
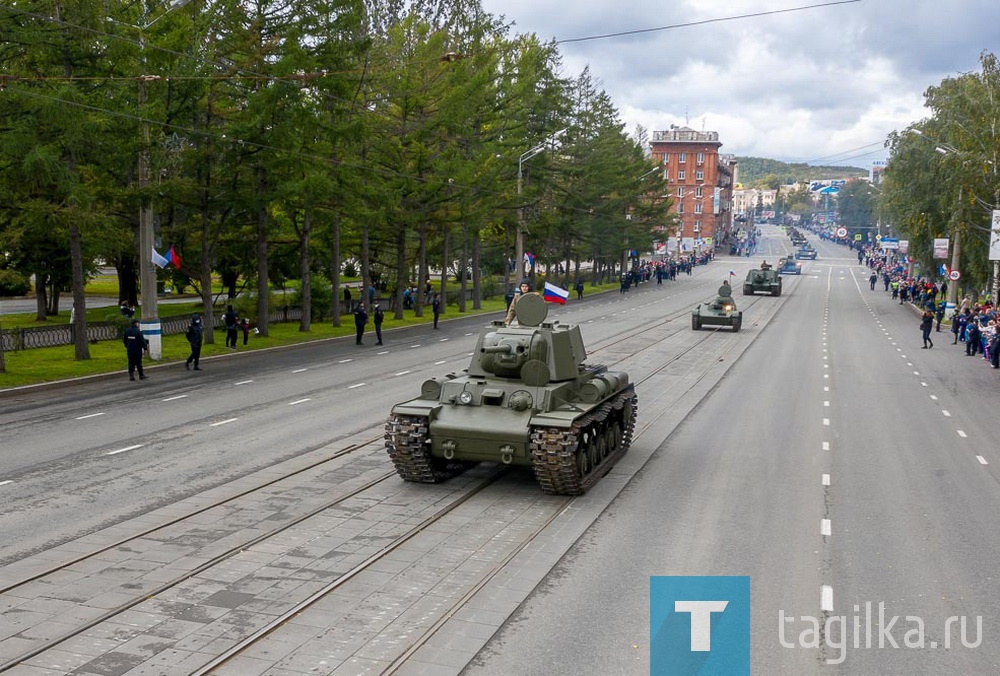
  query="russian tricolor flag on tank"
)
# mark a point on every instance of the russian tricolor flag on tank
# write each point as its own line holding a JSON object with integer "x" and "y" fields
{"x": 555, "y": 294}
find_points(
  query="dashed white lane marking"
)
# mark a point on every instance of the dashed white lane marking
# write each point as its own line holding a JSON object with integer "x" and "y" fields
{"x": 413, "y": 346}
{"x": 826, "y": 479}
{"x": 826, "y": 366}
{"x": 468, "y": 334}
{"x": 826, "y": 598}
{"x": 443, "y": 340}
{"x": 401, "y": 373}
{"x": 826, "y": 403}
{"x": 244, "y": 382}
{"x": 344, "y": 361}
{"x": 947, "y": 414}
{"x": 826, "y": 388}
{"x": 826, "y": 375}
{"x": 923, "y": 384}
{"x": 982, "y": 460}
{"x": 934, "y": 397}
{"x": 127, "y": 448}
{"x": 826, "y": 421}
{"x": 94, "y": 415}
{"x": 916, "y": 373}
{"x": 179, "y": 396}
{"x": 909, "y": 363}
{"x": 351, "y": 387}
{"x": 438, "y": 363}
{"x": 824, "y": 527}
{"x": 962, "y": 434}
{"x": 299, "y": 401}
{"x": 300, "y": 370}
{"x": 224, "y": 422}
{"x": 8, "y": 481}
{"x": 384, "y": 352}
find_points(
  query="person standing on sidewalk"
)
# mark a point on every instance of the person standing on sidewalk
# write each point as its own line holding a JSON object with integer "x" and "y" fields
{"x": 193, "y": 335}
{"x": 926, "y": 325}
{"x": 135, "y": 345}
{"x": 378, "y": 316}
{"x": 232, "y": 322}
{"x": 436, "y": 308}
{"x": 360, "y": 319}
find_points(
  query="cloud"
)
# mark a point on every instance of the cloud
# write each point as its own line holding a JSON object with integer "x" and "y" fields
{"x": 829, "y": 82}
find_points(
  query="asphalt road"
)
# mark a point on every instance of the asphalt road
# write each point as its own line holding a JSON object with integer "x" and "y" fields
{"x": 836, "y": 465}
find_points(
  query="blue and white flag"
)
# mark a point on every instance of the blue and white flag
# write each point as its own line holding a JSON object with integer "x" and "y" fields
{"x": 158, "y": 260}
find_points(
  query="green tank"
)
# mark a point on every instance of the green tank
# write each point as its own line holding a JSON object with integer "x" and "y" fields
{"x": 763, "y": 279}
{"x": 720, "y": 312}
{"x": 527, "y": 398}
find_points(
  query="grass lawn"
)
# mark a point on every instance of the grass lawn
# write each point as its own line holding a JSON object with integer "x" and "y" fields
{"x": 30, "y": 367}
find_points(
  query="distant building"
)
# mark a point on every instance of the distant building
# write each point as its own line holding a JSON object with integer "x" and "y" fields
{"x": 700, "y": 183}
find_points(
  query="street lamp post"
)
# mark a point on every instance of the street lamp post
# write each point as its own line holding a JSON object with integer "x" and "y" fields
{"x": 150, "y": 321}
{"x": 519, "y": 235}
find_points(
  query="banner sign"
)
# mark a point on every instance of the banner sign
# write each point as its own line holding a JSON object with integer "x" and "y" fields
{"x": 940, "y": 248}
{"x": 995, "y": 237}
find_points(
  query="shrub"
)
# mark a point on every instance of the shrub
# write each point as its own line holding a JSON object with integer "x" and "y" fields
{"x": 13, "y": 284}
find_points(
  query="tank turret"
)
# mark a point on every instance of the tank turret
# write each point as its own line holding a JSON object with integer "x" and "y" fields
{"x": 527, "y": 398}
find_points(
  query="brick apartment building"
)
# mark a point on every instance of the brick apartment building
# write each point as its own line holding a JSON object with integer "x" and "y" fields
{"x": 700, "y": 182}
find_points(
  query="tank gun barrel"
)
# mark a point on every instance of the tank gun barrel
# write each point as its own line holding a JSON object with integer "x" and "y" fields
{"x": 505, "y": 348}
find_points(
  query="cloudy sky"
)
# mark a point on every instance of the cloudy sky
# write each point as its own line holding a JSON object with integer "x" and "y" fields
{"x": 822, "y": 85}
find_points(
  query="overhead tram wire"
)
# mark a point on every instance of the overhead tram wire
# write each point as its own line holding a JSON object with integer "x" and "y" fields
{"x": 688, "y": 24}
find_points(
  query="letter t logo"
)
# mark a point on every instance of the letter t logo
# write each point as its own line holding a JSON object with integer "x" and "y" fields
{"x": 701, "y": 621}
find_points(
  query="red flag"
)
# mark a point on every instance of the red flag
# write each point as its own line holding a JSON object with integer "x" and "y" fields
{"x": 173, "y": 258}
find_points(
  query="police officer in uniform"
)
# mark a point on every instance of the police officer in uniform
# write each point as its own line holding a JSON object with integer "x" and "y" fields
{"x": 135, "y": 345}
{"x": 360, "y": 319}
{"x": 193, "y": 335}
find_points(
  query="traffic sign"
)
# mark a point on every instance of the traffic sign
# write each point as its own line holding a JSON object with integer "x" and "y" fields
{"x": 857, "y": 237}
{"x": 954, "y": 275}
{"x": 841, "y": 232}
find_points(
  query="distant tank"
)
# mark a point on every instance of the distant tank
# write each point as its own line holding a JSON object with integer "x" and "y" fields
{"x": 764, "y": 279}
{"x": 526, "y": 399}
{"x": 720, "y": 312}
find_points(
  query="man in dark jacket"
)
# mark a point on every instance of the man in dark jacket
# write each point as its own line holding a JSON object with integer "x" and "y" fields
{"x": 232, "y": 322}
{"x": 135, "y": 344}
{"x": 378, "y": 316}
{"x": 360, "y": 319}
{"x": 194, "y": 334}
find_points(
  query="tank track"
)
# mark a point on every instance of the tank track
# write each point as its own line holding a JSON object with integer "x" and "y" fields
{"x": 555, "y": 451}
{"x": 408, "y": 441}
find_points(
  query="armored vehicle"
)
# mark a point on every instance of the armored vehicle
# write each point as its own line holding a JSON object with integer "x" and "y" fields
{"x": 527, "y": 398}
{"x": 720, "y": 312}
{"x": 789, "y": 266}
{"x": 764, "y": 279}
{"x": 806, "y": 252}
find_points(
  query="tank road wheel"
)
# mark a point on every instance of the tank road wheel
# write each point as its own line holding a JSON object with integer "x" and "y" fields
{"x": 583, "y": 461}
{"x": 408, "y": 442}
{"x": 747, "y": 290}
{"x": 602, "y": 445}
{"x": 593, "y": 455}
{"x": 695, "y": 324}
{"x": 737, "y": 325}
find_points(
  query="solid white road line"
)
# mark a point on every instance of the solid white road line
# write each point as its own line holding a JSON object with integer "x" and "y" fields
{"x": 91, "y": 415}
{"x": 826, "y": 598}
{"x": 127, "y": 448}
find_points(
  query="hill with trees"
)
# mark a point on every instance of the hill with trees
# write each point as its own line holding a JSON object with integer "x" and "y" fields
{"x": 760, "y": 172}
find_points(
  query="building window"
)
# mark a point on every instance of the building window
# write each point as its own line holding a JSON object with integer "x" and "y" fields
{"x": 697, "y": 226}
{"x": 682, "y": 157}
{"x": 699, "y": 175}
{"x": 701, "y": 158}
{"x": 680, "y": 192}
{"x": 698, "y": 191}
{"x": 697, "y": 207}
{"x": 680, "y": 207}
{"x": 681, "y": 175}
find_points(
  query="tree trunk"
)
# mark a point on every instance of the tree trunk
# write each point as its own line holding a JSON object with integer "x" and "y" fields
{"x": 464, "y": 268}
{"x": 444, "y": 270}
{"x": 3, "y": 364}
{"x": 263, "y": 300}
{"x": 477, "y": 278}
{"x": 128, "y": 286}
{"x": 41, "y": 297}
{"x": 81, "y": 349}
{"x": 401, "y": 277}
{"x": 335, "y": 270}
{"x": 366, "y": 268}
{"x": 205, "y": 273}
{"x": 422, "y": 276}
{"x": 305, "y": 324}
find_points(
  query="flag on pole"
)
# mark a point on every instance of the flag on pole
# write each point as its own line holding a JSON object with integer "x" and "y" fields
{"x": 173, "y": 258}
{"x": 555, "y": 294}
{"x": 732, "y": 273}
{"x": 529, "y": 258}
{"x": 158, "y": 260}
